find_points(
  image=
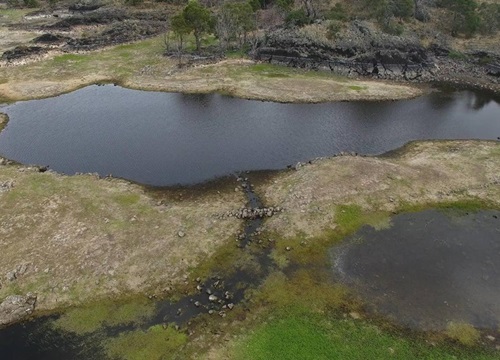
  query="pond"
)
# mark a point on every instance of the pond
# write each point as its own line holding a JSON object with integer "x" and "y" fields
{"x": 427, "y": 269}
{"x": 168, "y": 138}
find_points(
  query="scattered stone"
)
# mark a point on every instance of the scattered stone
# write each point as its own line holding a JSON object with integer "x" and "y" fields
{"x": 288, "y": 248}
{"x": 213, "y": 298}
{"x": 181, "y": 234}
{"x": 490, "y": 338}
{"x": 211, "y": 311}
{"x": 355, "y": 315}
{"x": 230, "y": 306}
{"x": 11, "y": 276}
{"x": 6, "y": 185}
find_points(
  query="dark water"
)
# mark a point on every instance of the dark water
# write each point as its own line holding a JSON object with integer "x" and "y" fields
{"x": 39, "y": 340}
{"x": 428, "y": 268}
{"x": 163, "y": 139}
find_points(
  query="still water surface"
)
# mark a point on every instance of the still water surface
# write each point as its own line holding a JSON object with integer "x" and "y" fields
{"x": 164, "y": 139}
{"x": 428, "y": 269}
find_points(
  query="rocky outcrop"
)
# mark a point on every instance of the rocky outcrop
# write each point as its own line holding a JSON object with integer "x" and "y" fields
{"x": 16, "y": 307}
{"x": 359, "y": 43}
{"x": 48, "y": 38}
{"x": 21, "y": 52}
{"x": 362, "y": 50}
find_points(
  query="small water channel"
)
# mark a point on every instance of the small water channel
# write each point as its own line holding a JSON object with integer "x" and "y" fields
{"x": 428, "y": 269}
{"x": 165, "y": 139}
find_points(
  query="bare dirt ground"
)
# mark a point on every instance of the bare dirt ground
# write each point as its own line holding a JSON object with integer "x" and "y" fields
{"x": 74, "y": 239}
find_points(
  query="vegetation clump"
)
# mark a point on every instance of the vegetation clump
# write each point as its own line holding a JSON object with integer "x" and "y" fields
{"x": 463, "y": 332}
{"x": 156, "y": 343}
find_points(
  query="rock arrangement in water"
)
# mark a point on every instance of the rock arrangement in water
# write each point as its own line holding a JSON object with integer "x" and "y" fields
{"x": 251, "y": 213}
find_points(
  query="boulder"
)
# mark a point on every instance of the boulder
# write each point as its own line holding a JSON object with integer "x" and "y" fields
{"x": 16, "y": 307}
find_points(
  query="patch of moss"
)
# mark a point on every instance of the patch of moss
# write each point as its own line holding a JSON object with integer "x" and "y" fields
{"x": 356, "y": 87}
{"x": 462, "y": 332}
{"x": 301, "y": 289}
{"x": 127, "y": 199}
{"x": 154, "y": 344}
{"x": 350, "y": 218}
{"x": 83, "y": 320}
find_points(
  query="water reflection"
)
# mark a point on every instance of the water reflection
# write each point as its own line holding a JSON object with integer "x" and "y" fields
{"x": 165, "y": 139}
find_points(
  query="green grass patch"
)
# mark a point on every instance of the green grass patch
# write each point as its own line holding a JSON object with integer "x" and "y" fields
{"x": 349, "y": 218}
{"x": 13, "y": 15}
{"x": 126, "y": 199}
{"x": 357, "y": 88}
{"x": 70, "y": 58}
{"x": 156, "y": 343}
{"x": 83, "y": 320}
{"x": 310, "y": 336}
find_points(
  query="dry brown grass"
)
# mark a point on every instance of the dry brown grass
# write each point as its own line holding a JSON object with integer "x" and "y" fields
{"x": 84, "y": 238}
{"x": 426, "y": 172}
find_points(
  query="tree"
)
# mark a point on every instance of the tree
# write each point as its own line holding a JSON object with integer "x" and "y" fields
{"x": 465, "y": 17}
{"x": 402, "y": 8}
{"x": 285, "y": 5}
{"x": 234, "y": 21}
{"x": 180, "y": 28}
{"x": 198, "y": 19}
{"x": 420, "y": 12}
{"x": 490, "y": 16}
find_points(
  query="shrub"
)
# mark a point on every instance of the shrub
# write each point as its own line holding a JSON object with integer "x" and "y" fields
{"x": 297, "y": 18}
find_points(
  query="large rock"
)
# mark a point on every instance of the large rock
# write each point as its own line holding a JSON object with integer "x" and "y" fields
{"x": 16, "y": 307}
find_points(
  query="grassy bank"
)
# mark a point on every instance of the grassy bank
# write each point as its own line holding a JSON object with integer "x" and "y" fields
{"x": 141, "y": 65}
{"x": 79, "y": 239}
